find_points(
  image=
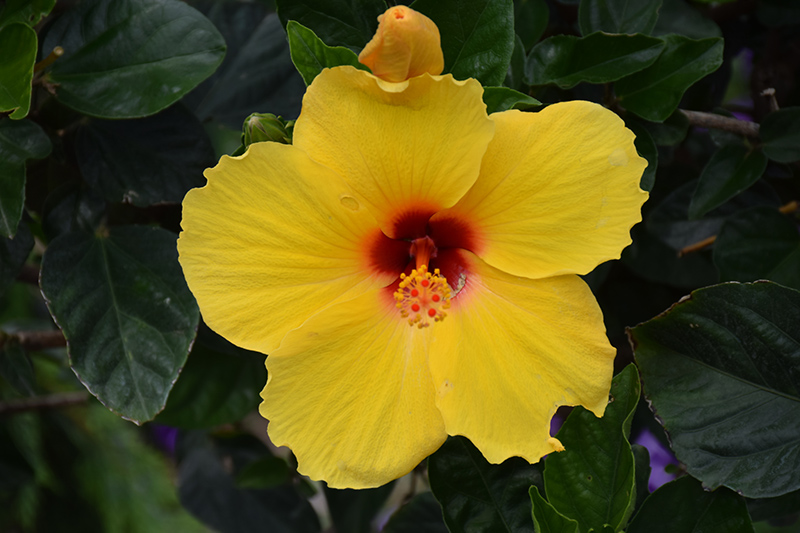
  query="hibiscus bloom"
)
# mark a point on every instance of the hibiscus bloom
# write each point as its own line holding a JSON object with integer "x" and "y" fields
{"x": 411, "y": 265}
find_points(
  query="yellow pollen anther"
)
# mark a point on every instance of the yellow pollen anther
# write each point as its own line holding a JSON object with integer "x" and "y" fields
{"x": 423, "y": 296}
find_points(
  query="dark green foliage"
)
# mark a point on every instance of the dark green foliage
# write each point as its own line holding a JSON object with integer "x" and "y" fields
{"x": 720, "y": 369}
{"x": 477, "y": 36}
{"x": 476, "y": 495}
{"x": 131, "y": 58}
{"x": 126, "y": 313}
{"x": 150, "y": 93}
{"x": 682, "y": 506}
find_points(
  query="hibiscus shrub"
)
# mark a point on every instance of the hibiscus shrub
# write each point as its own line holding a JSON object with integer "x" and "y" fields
{"x": 122, "y": 410}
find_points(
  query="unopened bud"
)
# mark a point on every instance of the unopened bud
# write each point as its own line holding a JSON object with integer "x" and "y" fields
{"x": 406, "y": 45}
{"x": 261, "y": 127}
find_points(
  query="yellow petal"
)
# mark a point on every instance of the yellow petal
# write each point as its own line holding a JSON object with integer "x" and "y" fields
{"x": 406, "y": 45}
{"x": 558, "y": 191}
{"x": 270, "y": 240}
{"x": 413, "y": 151}
{"x": 351, "y": 394}
{"x": 512, "y": 350}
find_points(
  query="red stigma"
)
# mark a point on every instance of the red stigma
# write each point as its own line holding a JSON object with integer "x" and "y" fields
{"x": 435, "y": 297}
{"x": 415, "y": 307}
{"x": 414, "y": 293}
{"x": 431, "y": 312}
{"x": 425, "y": 283}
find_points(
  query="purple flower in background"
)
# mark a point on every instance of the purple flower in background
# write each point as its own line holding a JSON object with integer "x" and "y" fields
{"x": 660, "y": 458}
{"x": 165, "y": 438}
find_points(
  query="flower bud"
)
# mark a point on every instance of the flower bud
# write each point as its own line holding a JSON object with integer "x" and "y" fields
{"x": 260, "y": 127}
{"x": 406, "y": 45}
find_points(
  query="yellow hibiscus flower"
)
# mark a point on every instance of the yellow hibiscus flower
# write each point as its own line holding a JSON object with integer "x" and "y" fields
{"x": 410, "y": 266}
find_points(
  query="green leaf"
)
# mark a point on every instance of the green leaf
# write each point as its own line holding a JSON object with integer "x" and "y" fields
{"x": 618, "y": 16}
{"x": 257, "y": 73}
{"x": 546, "y": 519}
{"x": 516, "y": 69}
{"x": 219, "y": 384}
{"x": 29, "y": 12}
{"x": 18, "y": 42}
{"x": 730, "y": 171}
{"x": 207, "y": 488}
{"x": 350, "y": 23}
{"x": 670, "y": 132}
{"x": 354, "y": 510}
{"x": 720, "y": 371}
{"x": 653, "y": 259}
{"x": 421, "y": 515}
{"x": 502, "y": 98}
{"x": 759, "y": 243}
{"x": 780, "y": 133}
{"x": 592, "y": 481}
{"x": 646, "y": 148}
{"x": 13, "y": 254}
{"x": 642, "y": 471}
{"x": 264, "y": 473}
{"x": 530, "y": 20}
{"x": 566, "y": 60}
{"x": 682, "y": 506}
{"x": 147, "y": 161}
{"x": 126, "y": 312}
{"x": 477, "y": 495}
{"x": 73, "y": 206}
{"x": 131, "y": 58}
{"x": 669, "y": 220}
{"x": 19, "y": 141}
{"x": 678, "y": 16}
{"x": 654, "y": 93}
{"x": 310, "y": 55}
{"x": 477, "y": 36}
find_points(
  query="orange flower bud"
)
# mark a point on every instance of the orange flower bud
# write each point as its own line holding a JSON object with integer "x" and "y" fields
{"x": 406, "y": 45}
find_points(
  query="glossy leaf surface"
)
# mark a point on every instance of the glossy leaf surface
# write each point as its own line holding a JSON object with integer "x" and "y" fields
{"x": 502, "y": 99}
{"x": 721, "y": 370}
{"x": 29, "y": 12}
{"x": 19, "y": 142}
{"x": 475, "y": 494}
{"x": 477, "y": 36}
{"x": 546, "y": 519}
{"x": 618, "y": 16}
{"x": 780, "y": 133}
{"x": 566, "y": 60}
{"x": 126, "y": 312}
{"x": 350, "y": 23}
{"x": 310, "y": 55}
{"x": 18, "y": 43}
{"x": 146, "y": 161}
{"x": 592, "y": 480}
{"x": 731, "y": 170}
{"x": 654, "y": 93}
{"x": 682, "y": 506}
{"x": 219, "y": 384}
{"x": 760, "y": 243}
{"x": 131, "y": 58}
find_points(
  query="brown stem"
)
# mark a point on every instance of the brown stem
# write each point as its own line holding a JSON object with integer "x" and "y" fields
{"x": 34, "y": 340}
{"x": 789, "y": 208}
{"x": 51, "y": 401}
{"x": 719, "y": 122}
{"x": 47, "y": 61}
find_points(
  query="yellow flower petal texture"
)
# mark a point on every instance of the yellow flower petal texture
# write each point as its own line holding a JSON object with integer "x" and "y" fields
{"x": 418, "y": 149}
{"x": 406, "y": 45}
{"x": 270, "y": 240}
{"x": 558, "y": 191}
{"x": 510, "y": 352}
{"x": 351, "y": 394}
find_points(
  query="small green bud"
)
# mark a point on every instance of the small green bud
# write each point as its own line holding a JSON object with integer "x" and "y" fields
{"x": 261, "y": 127}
